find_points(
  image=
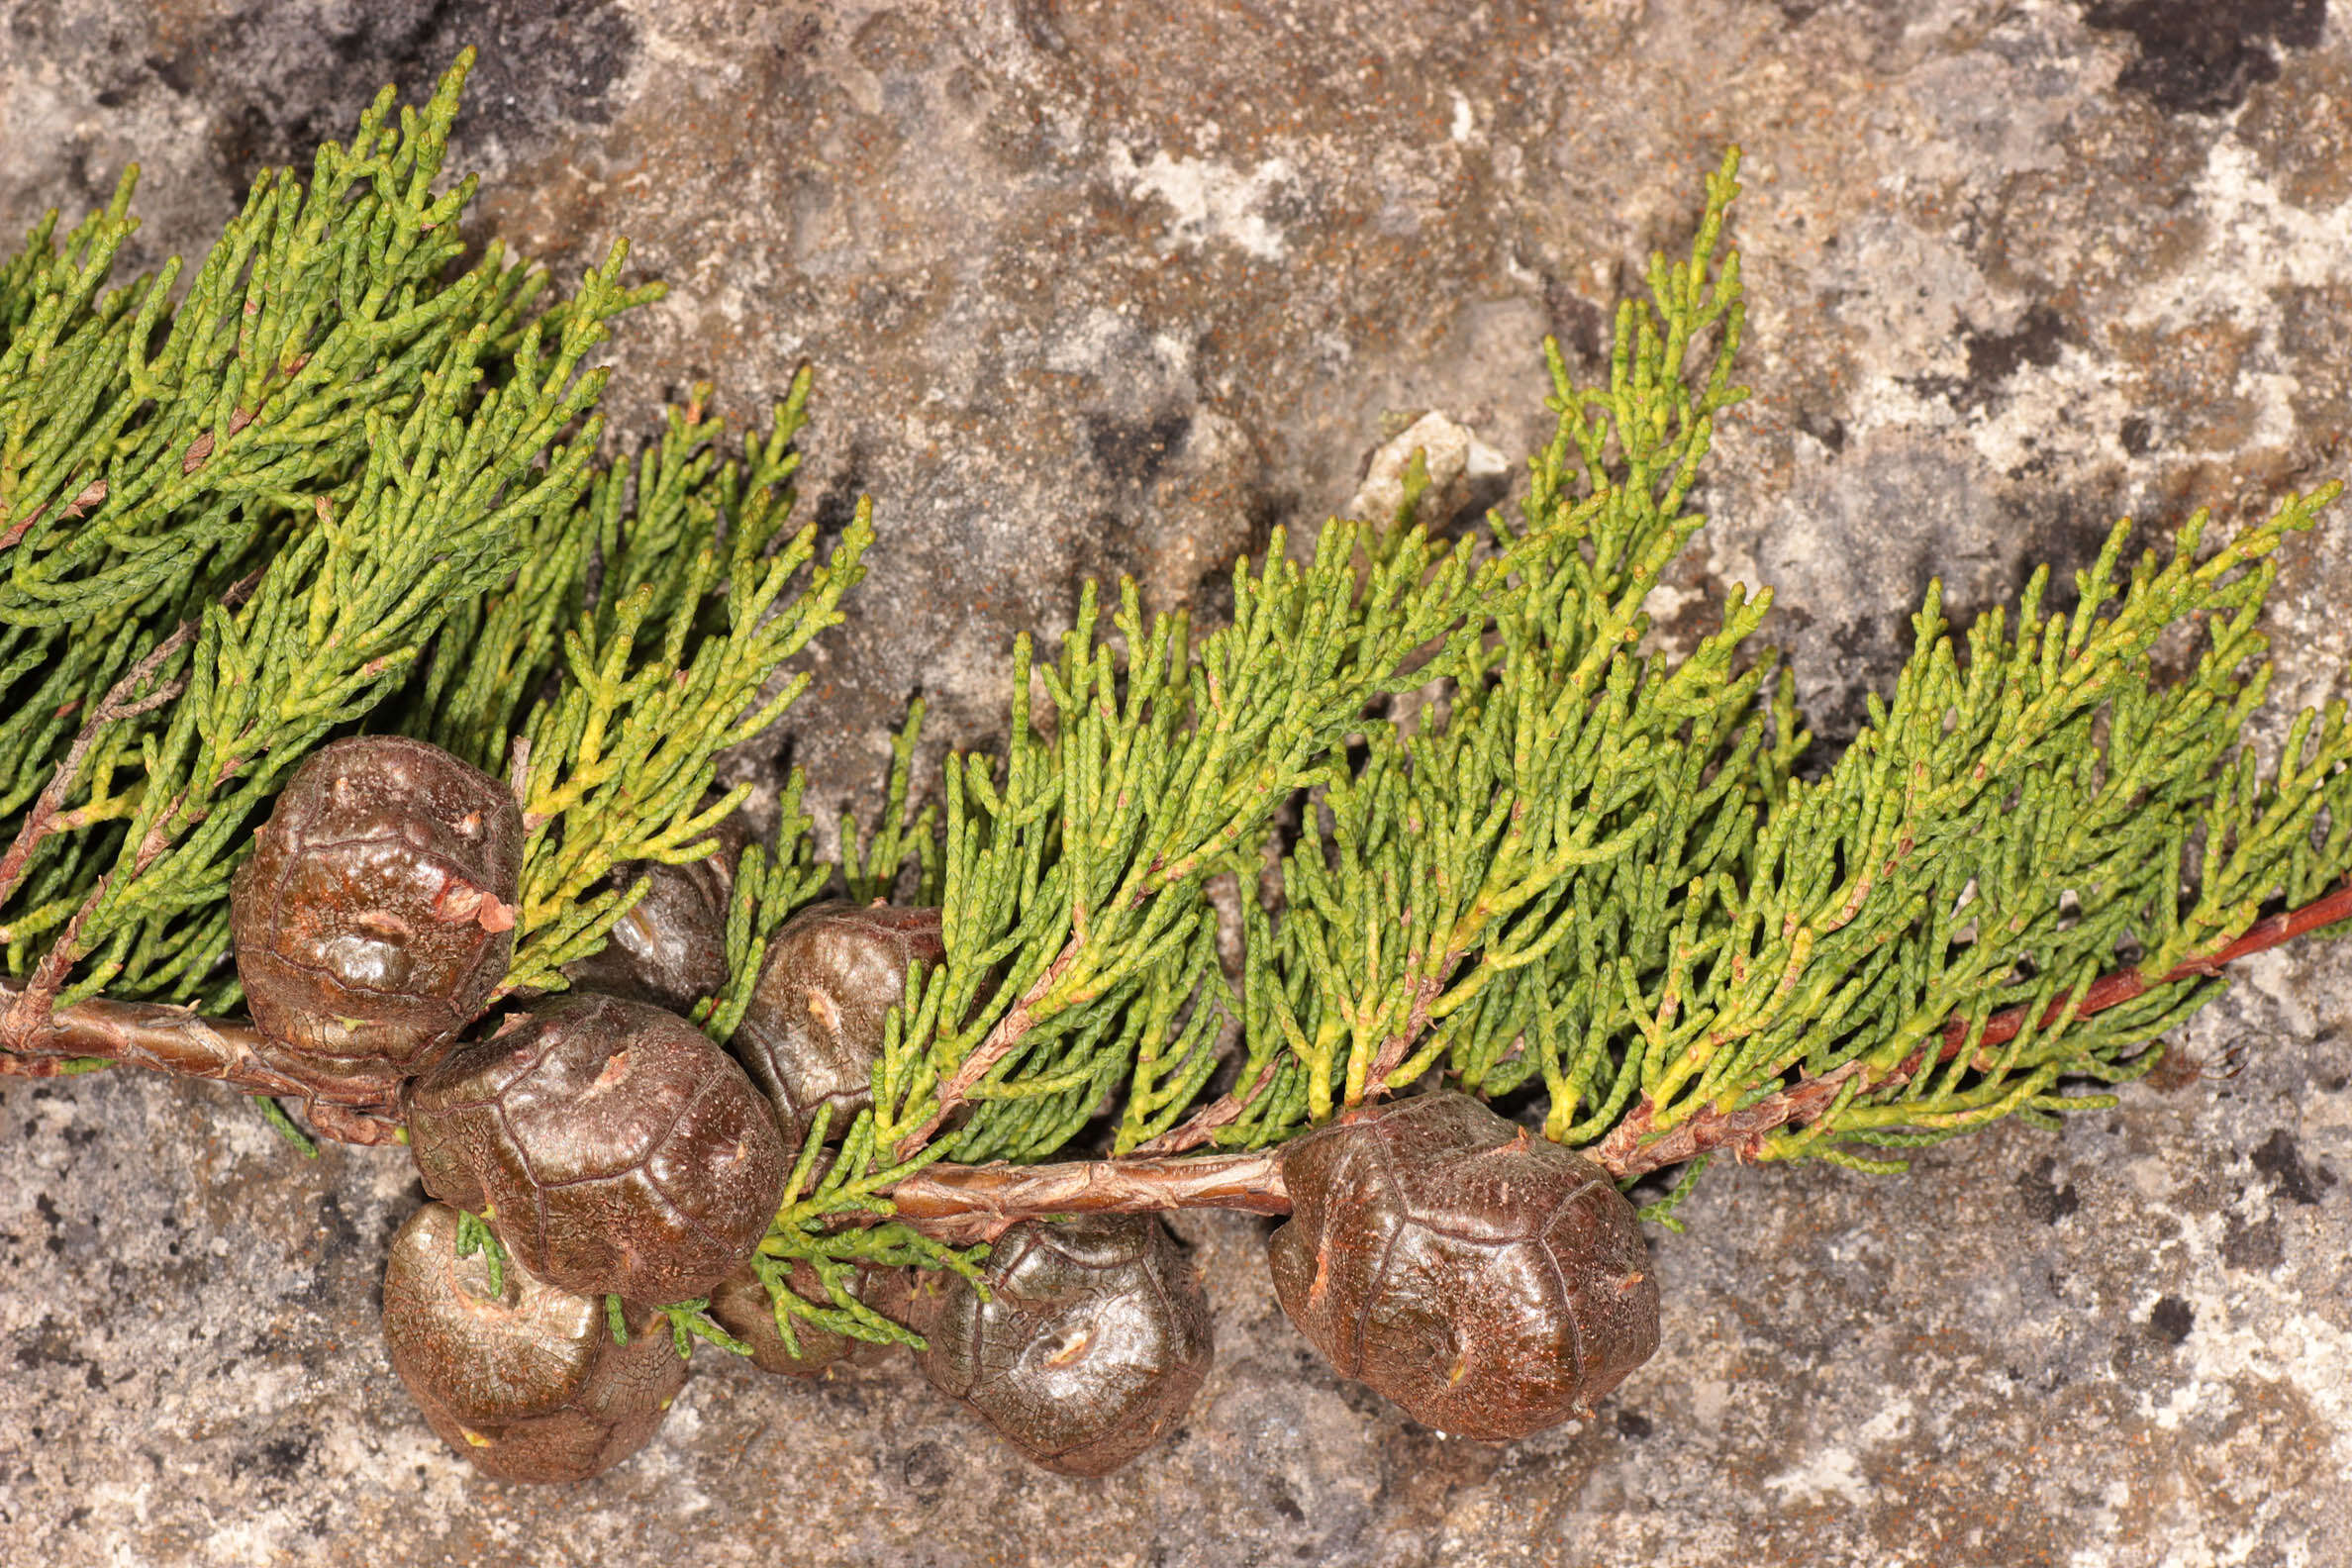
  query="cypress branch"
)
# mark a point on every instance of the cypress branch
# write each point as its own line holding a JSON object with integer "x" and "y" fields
{"x": 1486, "y": 831}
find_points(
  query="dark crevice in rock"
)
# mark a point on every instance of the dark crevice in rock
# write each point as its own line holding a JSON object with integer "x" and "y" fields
{"x": 2201, "y": 57}
{"x": 1823, "y": 426}
{"x": 2281, "y": 1159}
{"x": 544, "y": 63}
{"x": 2255, "y": 1247}
{"x": 50, "y": 1344}
{"x": 1133, "y": 452}
{"x": 1994, "y": 357}
{"x": 280, "y": 1459}
{"x": 2038, "y": 1190}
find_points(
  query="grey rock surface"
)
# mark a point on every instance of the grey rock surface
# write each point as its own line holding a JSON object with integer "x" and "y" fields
{"x": 1098, "y": 288}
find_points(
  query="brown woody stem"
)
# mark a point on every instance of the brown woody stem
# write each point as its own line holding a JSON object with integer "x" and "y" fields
{"x": 963, "y": 1204}
{"x": 171, "y": 1040}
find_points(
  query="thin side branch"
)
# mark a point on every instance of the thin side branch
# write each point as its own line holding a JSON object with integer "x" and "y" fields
{"x": 1634, "y": 1148}
{"x": 1204, "y": 1122}
{"x": 1399, "y": 1045}
{"x": 91, "y": 495}
{"x": 117, "y": 704}
{"x": 991, "y": 1050}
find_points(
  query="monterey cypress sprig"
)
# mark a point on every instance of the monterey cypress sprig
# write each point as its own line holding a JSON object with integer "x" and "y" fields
{"x": 1078, "y": 881}
{"x": 1482, "y": 827}
{"x": 1473, "y": 891}
{"x": 1074, "y": 876}
{"x": 138, "y": 480}
{"x": 834, "y": 1218}
{"x": 2011, "y": 827}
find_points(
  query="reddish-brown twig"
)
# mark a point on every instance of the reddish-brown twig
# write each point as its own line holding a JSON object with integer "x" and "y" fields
{"x": 1634, "y": 1148}
{"x": 963, "y": 1204}
{"x": 177, "y": 1040}
{"x": 118, "y": 704}
{"x": 952, "y": 1201}
{"x": 91, "y": 495}
{"x": 2115, "y": 989}
{"x": 998, "y": 1043}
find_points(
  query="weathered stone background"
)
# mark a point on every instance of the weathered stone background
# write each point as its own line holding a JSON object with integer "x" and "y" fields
{"x": 1100, "y": 288}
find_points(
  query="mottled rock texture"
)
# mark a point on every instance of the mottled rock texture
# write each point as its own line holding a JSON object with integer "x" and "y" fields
{"x": 1099, "y": 288}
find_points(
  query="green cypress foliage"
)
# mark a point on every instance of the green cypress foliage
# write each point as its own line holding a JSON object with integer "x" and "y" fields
{"x": 1462, "y": 812}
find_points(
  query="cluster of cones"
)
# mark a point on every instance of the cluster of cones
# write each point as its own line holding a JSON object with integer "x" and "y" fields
{"x": 1489, "y": 1282}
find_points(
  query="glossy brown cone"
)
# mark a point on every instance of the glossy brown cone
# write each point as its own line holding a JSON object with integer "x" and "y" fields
{"x": 376, "y": 914}
{"x": 814, "y": 1026}
{"x": 670, "y": 948}
{"x": 1489, "y": 1282}
{"x": 526, "y": 1382}
{"x": 619, "y": 1149}
{"x": 1092, "y": 1341}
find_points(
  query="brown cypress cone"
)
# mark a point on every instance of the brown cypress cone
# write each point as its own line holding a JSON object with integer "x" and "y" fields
{"x": 1092, "y": 1341}
{"x": 526, "y": 1382}
{"x": 376, "y": 912}
{"x": 1489, "y": 1282}
{"x": 814, "y": 1026}
{"x": 617, "y": 1149}
{"x": 670, "y": 948}
{"x": 744, "y": 1307}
